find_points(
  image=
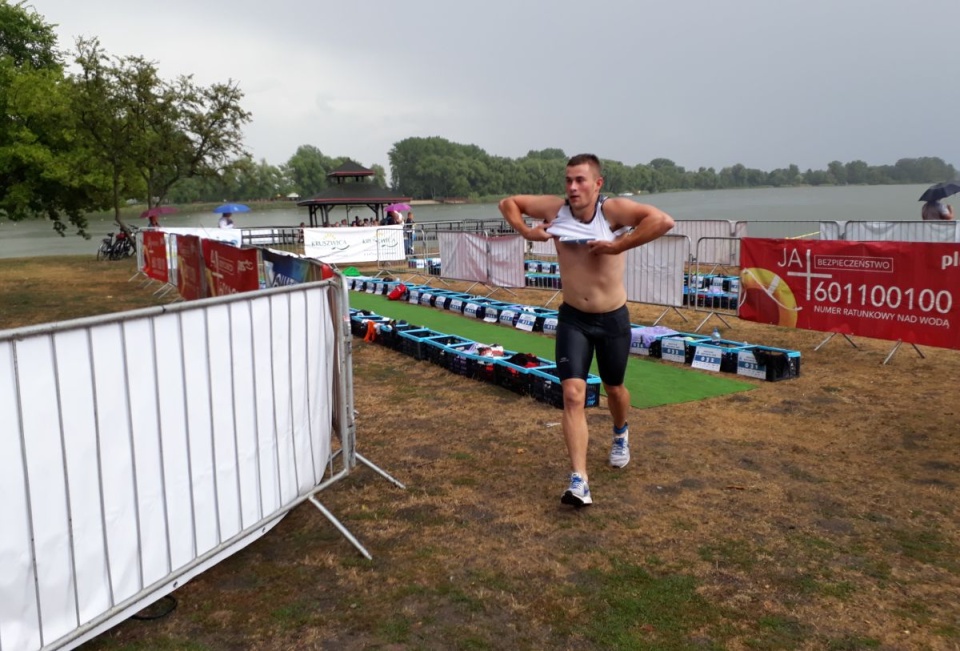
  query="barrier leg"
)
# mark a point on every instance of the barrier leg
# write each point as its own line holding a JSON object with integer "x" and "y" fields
{"x": 716, "y": 314}
{"x": 834, "y": 334}
{"x": 362, "y": 459}
{"x": 555, "y": 294}
{"x": 896, "y": 347}
{"x": 665, "y": 312}
{"x": 342, "y": 529}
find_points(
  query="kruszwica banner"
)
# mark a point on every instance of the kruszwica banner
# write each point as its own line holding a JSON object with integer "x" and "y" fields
{"x": 900, "y": 291}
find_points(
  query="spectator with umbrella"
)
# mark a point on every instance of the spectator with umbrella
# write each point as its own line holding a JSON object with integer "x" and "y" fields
{"x": 152, "y": 215}
{"x": 933, "y": 209}
{"x": 226, "y": 213}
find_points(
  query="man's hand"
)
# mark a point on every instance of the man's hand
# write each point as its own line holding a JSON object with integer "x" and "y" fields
{"x": 603, "y": 247}
{"x": 538, "y": 233}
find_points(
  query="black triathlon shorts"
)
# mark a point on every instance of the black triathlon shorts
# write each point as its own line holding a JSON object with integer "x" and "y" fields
{"x": 579, "y": 334}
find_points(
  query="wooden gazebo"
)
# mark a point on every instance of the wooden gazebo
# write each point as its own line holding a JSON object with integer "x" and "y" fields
{"x": 344, "y": 192}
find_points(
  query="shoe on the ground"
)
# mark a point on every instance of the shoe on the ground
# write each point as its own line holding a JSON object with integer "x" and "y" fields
{"x": 578, "y": 493}
{"x": 620, "y": 451}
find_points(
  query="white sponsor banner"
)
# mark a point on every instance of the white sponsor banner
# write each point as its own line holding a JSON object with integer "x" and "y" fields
{"x": 232, "y": 235}
{"x": 354, "y": 244}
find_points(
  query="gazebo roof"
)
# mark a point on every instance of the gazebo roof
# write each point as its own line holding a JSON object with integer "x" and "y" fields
{"x": 352, "y": 194}
{"x": 350, "y": 169}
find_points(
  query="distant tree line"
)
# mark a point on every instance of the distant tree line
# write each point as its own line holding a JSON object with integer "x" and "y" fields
{"x": 72, "y": 143}
{"x": 435, "y": 168}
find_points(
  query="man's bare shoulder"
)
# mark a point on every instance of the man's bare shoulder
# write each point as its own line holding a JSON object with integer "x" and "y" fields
{"x": 628, "y": 212}
{"x": 542, "y": 206}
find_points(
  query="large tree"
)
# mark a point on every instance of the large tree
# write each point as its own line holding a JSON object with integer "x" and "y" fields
{"x": 44, "y": 169}
{"x": 149, "y": 133}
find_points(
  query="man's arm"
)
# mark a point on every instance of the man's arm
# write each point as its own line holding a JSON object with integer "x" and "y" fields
{"x": 949, "y": 212}
{"x": 648, "y": 222}
{"x": 542, "y": 207}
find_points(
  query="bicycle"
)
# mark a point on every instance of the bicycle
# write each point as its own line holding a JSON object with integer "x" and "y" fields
{"x": 123, "y": 246}
{"x": 106, "y": 248}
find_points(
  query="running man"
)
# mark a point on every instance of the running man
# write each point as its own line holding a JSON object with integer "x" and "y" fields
{"x": 591, "y": 233}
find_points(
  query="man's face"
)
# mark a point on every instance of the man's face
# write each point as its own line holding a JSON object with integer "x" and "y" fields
{"x": 583, "y": 185}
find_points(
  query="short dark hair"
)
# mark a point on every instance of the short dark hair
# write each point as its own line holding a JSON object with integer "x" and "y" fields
{"x": 588, "y": 159}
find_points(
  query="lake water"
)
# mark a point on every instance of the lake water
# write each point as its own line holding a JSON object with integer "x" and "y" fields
{"x": 807, "y": 204}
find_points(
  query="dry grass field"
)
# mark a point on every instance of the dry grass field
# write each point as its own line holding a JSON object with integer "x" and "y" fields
{"x": 814, "y": 513}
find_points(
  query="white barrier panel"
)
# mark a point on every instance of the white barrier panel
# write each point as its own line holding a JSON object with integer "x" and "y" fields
{"x": 543, "y": 248}
{"x": 138, "y": 449}
{"x": 231, "y": 235}
{"x": 480, "y": 258}
{"x": 354, "y": 244}
{"x": 714, "y": 253}
{"x": 654, "y": 271}
{"x": 505, "y": 261}
{"x": 464, "y": 257}
{"x": 830, "y": 230}
{"x": 907, "y": 231}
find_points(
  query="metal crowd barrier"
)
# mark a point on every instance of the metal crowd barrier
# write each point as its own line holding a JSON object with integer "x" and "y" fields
{"x": 714, "y": 288}
{"x": 139, "y": 449}
{"x": 284, "y": 238}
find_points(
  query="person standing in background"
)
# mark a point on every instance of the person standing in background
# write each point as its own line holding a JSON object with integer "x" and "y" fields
{"x": 934, "y": 210}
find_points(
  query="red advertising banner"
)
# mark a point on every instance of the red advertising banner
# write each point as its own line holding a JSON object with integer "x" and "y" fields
{"x": 907, "y": 291}
{"x": 229, "y": 270}
{"x": 155, "y": 256}
{"x": 189, "y": 267}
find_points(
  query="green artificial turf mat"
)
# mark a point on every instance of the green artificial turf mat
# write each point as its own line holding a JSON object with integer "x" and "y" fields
{"x": 651, "y": 382}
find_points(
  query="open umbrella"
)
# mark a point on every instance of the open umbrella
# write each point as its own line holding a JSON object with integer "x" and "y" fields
{"x": 232, "y": 208}
{"x": 397, "y": 207}
{"x": 939, "y": 191}
{"x": 156, "y": 211}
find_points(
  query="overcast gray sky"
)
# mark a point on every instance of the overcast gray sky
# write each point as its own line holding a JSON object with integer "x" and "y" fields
{"x": 706, "y": 83}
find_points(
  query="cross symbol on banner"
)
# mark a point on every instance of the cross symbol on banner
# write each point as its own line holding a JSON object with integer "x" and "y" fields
{"x": 808, "y": 274}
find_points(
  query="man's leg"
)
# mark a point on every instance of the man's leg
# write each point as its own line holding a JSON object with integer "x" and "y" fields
{"x": 574, "y": 353}
{"x": 618, "y": 401}
{"x": 613, "y": 351}
{"x": 574, "y": 422}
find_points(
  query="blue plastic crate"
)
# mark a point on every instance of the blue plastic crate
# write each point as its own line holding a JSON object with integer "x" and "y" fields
{"x": 672, "y": 345}
{"x": 768, "y": 363}
{"x": 545, "y": 387}
{"x": 532, "y": 318}
{"x": 465, "y": 361}
{"x": 437, "y": 350}
{"x": 358, "y": 323}
{"x": 515, "y": 377}
{"x": 412, "y": 341}
{"x": 726, "y": 349}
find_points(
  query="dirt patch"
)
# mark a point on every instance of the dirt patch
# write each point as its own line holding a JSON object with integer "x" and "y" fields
{"x": 815, "y": 513}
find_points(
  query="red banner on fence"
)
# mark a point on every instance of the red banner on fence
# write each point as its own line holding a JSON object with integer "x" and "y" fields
{"x": 229, "y": 270}
{"x": 155, "y": 256}
{"x": 189, "y": 267}
{"x": 907, "y": 291}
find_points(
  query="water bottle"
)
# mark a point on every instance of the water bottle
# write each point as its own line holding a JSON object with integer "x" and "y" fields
{"x": 715, "y": 335}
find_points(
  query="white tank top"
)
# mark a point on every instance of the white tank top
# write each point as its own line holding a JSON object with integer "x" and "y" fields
{"x": 566, "y": 225}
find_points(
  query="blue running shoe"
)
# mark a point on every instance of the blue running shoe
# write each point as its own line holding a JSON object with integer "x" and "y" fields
{"x": 578, "y": 494}
{"x": 620, "y": 451}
